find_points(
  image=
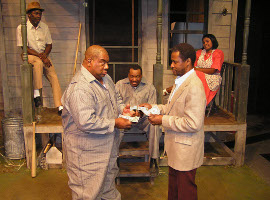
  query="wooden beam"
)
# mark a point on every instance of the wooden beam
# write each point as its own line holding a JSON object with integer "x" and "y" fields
{"x": 246, "y": 31}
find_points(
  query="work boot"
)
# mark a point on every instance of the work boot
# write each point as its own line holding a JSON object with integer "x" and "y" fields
{"x": 37, "y": 101}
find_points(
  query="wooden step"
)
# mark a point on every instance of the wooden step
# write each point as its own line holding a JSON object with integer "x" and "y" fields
{"x": 134, "y": 169}
{"x": 134, "y": 148}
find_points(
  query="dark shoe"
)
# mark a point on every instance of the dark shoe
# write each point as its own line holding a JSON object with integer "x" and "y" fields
{"x": 60, "y": 111}
{"x": 37, "y": 101}
{"x": 154, "y": 168}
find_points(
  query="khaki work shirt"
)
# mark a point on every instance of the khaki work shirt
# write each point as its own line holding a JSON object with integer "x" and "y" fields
{"x": 37, "y": 38}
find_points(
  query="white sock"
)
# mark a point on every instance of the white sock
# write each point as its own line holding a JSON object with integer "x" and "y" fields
{"x": 36, "y": 93}
{"x": 60, "y": 108}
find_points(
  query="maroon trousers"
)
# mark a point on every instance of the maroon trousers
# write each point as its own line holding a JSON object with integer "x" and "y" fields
{"x": 182, "y": 185}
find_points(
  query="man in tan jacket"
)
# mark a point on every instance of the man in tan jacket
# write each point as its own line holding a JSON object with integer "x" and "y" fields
{"x": 182, "y": 119}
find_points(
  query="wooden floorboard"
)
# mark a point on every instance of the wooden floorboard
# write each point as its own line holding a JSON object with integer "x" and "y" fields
{"x": 220, "y": 117}
{"x": 134, "y": 169}
{"x": 222, "y": 121}
{"x": 49, "y": 116}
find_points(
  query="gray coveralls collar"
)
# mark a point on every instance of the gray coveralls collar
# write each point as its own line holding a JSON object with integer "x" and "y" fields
{"x": 142, "y": 83}
{"x": 89, "y": 77}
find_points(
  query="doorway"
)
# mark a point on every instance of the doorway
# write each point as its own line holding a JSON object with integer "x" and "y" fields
{"x": 115, "y": 25}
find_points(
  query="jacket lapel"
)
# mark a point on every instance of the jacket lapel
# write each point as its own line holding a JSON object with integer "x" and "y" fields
{"x": 178, "y": 93}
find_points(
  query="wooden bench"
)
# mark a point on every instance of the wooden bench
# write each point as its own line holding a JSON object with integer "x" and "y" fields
{"x": 49, "y": 122}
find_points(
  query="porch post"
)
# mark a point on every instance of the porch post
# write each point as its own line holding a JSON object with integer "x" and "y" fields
{"x": 26, "y": 74}
{"x": 245, "y": 69}
{"x": 158, "y": 67}
{"x": 246, "y": 31}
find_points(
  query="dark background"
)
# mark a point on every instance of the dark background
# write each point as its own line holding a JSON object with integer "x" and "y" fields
{"x": 258, "y": 43}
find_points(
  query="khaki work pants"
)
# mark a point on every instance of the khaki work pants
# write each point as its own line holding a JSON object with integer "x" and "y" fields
{"x": 38, "y": 70}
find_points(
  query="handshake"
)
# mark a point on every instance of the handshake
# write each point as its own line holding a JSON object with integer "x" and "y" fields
{"x": 133, "y": 114}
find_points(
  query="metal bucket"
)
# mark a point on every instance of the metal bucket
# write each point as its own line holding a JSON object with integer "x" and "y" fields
{"x": 13, "y": 138}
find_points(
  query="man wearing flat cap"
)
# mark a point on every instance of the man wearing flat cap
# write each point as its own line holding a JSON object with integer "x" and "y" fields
{"x": 39, "y": 46}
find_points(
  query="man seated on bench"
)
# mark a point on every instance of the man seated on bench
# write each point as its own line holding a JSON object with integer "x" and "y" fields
{"x": 135, "y": 90}
{"x": 39, "y": 46}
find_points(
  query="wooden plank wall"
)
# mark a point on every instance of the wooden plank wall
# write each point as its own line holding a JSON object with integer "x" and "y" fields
{"x": 3, "y": 65}
{"x": 149, "y": 42}
{"x": 63, "y": 18}
{"x": 223, "y": 27}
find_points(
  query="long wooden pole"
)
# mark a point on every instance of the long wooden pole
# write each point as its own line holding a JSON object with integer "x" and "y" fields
{"x": 34, "y": 163}
{"x": 78, "y": 44}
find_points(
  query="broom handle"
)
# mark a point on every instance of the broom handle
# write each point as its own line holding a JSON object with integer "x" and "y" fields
{"x": 78, "y": 42}
{"x": 34, "y": 165}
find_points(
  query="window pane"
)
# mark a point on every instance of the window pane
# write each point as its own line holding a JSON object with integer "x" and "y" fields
{"x": 195, "y": 40}
{"x": 123, "y": 55}
{"x": 191, "y": 38}
{"x": 115, "y": 25}
{"x": 187, "y": 22}
{"x": 113, "y": 20}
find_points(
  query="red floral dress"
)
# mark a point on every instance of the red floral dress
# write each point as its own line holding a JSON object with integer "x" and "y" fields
{"x": 211, "y": 82}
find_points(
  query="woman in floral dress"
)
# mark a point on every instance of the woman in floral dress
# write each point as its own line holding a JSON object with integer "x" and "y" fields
{"x": 208, "y": 64}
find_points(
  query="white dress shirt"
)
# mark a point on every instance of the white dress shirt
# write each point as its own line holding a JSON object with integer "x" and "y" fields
{"x": 37, "y": 38}
{"x": 179, "y": 80}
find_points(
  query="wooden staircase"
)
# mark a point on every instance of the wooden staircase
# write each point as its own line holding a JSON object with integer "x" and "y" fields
{"x": 129, "y": 160}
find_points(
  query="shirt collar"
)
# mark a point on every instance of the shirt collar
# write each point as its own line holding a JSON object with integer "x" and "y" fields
{"x": 31, "y": 25}
{"x": 181, "y": 79}
{"x": 88, "y": 76}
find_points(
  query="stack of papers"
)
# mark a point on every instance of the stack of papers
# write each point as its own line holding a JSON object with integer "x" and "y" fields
{"x": 154, "y": 110}
{"x": 132, "y": 119}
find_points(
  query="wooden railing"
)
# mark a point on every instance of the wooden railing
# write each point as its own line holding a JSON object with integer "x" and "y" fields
{"x": 233, "y": 93}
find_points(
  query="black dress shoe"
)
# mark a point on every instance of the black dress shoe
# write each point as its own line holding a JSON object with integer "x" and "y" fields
{"x": 60, "y": 109}
{"x": 60, "y": 112}
{"x": 37, "y": 101}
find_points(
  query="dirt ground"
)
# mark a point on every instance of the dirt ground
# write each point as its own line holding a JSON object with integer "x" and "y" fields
{"x": 214, "y": 183}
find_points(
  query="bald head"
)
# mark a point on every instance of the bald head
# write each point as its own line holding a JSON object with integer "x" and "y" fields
{"x": 96, "y": 61}
{"x": 95, "y": 51}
